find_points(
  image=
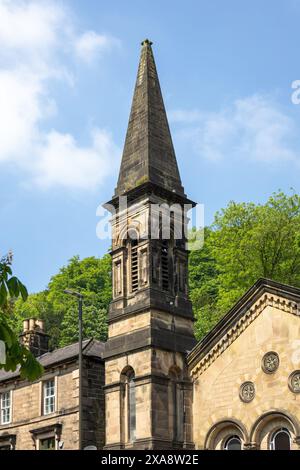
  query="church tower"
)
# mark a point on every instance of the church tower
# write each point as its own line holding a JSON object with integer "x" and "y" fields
{"x": 148, "y": 392}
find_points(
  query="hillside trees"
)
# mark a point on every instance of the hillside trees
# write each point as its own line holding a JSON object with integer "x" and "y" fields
{"x": 246, "y": 241}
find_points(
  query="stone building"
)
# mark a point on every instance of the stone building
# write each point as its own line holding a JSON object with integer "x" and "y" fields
{"x": 150, "y": 317}
{"x": 238, "y": 388}
{"x": 44, "y": 414}
{"x": 246, "y": 374}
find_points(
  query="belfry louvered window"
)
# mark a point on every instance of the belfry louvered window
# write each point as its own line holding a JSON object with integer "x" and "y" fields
{"x": 165, "y": 265}
{"x": 134, "y": 266}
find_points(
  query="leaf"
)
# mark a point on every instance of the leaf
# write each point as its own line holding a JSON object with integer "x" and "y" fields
{"x": 3, "y": 293}
{"x": 23, "y": 291}
{"x": 6, "y": 335}
{"x": 16, "y": 354}
{"x": 31, "y": 369}
{"x": 9, "y": 270}
{"x": 13, "y": 286}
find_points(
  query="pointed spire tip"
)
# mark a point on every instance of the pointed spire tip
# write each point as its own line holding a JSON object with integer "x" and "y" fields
{"x": 146, "y": 42}
{"x": 148, "y": 155}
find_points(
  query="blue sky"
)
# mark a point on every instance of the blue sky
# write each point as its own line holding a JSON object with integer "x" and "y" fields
{"x": 67, "y": 72}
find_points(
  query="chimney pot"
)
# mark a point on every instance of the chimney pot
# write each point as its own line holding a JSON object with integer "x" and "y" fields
{"x": 40, "y": 324}
{"x": 25, "y": 325}
{"x": 34, "y": 336}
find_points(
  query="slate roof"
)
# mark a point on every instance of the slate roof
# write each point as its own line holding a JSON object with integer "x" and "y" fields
{"x": 148, "y": 154}
{"x": 238, "y": 311}
{"x": 91, "y": 348}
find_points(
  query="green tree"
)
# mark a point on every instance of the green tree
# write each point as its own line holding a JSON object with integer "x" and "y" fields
{"x": 246, "y": 242}
{"x": 37, "y": 306}
{"x": 16, "y": 355}
{"x": 91, "y": 277}
{"x": 251, "y": 241}
{"x": 203, "y": 286}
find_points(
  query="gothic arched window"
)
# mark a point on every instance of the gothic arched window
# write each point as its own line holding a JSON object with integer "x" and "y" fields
{"x": 128, "y": 406}
{"x": 131, "y": 407}
{"x": 132, "y": 246}
{"x": 233, "y": 443}
{"x": 281, "y": 440}
{"x": 176, "y": 405}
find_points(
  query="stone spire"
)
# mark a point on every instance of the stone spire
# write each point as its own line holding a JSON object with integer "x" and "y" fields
{"x": 148, "y": 154}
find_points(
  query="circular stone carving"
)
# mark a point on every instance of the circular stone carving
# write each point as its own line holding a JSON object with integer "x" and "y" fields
{"x": 247, "y": 392}
{"x": 294, "y": 381}
{"x": 270, "y": 362}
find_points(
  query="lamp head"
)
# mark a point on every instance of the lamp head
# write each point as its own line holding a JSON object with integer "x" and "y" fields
{"x": 73, "y": 293}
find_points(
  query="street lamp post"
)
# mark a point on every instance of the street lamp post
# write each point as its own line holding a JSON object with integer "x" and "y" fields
{"x": 80, "y": 300}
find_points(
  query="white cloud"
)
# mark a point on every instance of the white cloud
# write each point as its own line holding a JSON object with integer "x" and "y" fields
{"x": 29, "y": 25}
{"x": 252, "y": 128}
{"x": 20, "y": 110}
{"x": 90, "y": 45}
{"x": 35, "y": 37}
{"x": 62, "y": 162}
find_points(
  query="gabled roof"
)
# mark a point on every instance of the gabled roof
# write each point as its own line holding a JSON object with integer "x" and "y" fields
{"x": 240, "y": 310}
{"x": 148, "y": 154}
{"x": 91, "y": 348}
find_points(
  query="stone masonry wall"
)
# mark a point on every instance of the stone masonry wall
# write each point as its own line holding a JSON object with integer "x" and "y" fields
{"x": 216, "y": 390}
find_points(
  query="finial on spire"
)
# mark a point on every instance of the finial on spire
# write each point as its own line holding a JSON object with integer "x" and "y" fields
{"x": 146, "y": 42}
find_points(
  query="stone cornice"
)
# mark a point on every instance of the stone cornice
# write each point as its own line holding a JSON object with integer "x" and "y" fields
{"x": 39, "y": 420}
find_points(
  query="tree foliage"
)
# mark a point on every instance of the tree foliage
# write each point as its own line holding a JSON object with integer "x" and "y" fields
{"x": 203, "y": 286}
{"x": 92, "y": 278}
{"x": 16, "y": 355}
{"x": 246, "y": 241}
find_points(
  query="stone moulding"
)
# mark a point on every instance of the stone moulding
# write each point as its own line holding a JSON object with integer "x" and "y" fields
{"x": 270, "y": 362}
{"x": 266, "y": 300}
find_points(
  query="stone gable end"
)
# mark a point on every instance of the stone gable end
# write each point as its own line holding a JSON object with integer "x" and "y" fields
{"x": 272, "y": 324}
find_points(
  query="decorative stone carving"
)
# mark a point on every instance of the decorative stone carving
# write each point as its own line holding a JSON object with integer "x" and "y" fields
{"x": 144, "y": 267}
{"x": 251, "y": 446}
{"x": 117, "y": 278}
{"x": 270, "y": 362}
{"x": 247, "y": 392}
{"x": 155, "y": 267}
{"x": 294, "y": 382}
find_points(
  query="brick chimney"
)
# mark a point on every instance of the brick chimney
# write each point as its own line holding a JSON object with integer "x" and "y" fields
{"x": 34, "y": 336}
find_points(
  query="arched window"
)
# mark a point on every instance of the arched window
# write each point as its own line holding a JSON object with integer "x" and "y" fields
{"x": 132, "y": 244}
{"x": 176, "y": 407}
{"x": 281, "y": 440}
{"x": 128, "y": 406}
{"x": 233, "y": 443}
{"x": 131, "y": 407}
